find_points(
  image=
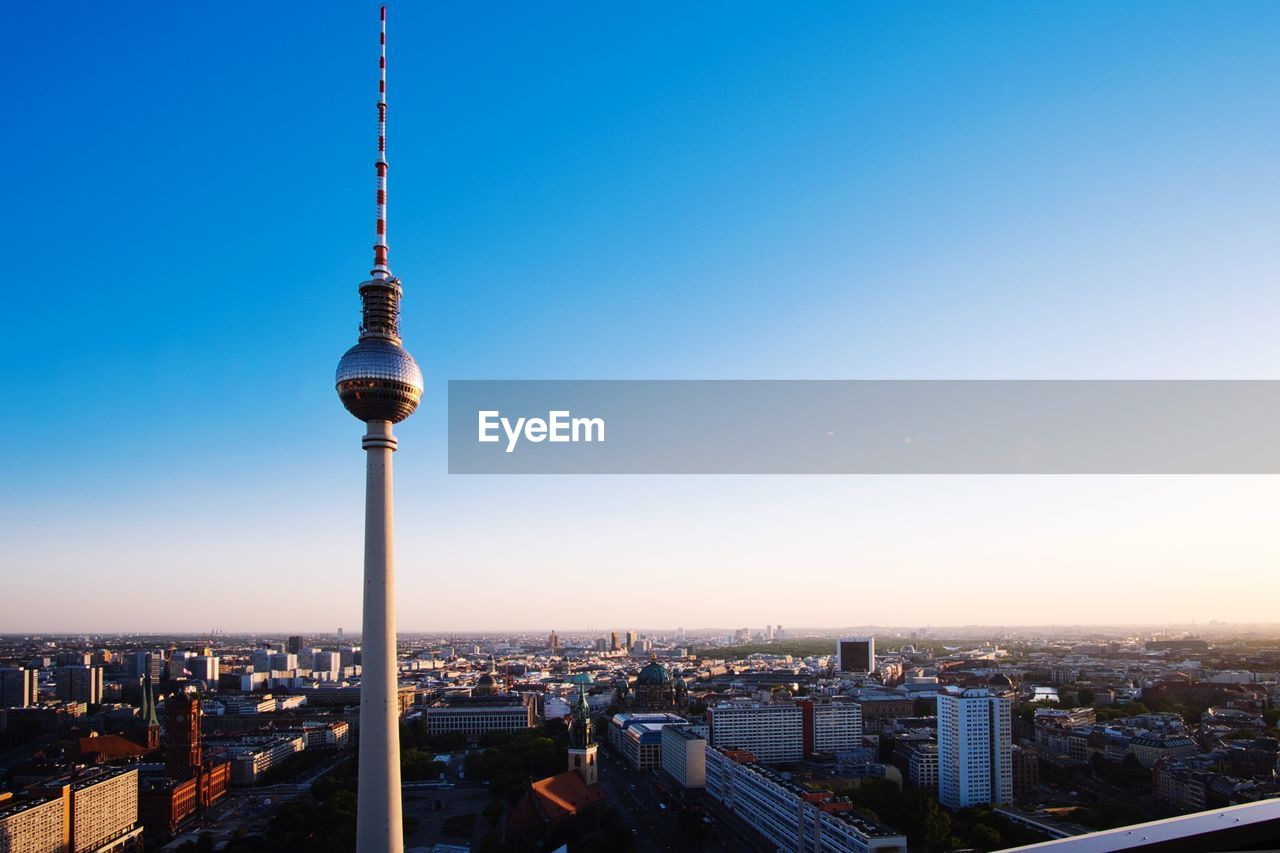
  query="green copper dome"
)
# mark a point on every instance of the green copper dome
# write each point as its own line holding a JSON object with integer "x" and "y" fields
{"x": 653, "y": 675}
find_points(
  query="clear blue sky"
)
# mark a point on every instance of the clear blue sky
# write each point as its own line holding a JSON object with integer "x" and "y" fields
{"x": 738, "y": 190}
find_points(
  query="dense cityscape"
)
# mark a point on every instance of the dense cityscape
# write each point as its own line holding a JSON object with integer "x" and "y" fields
{"x": 752, "y": 739}
{"x": 800, "y": 200}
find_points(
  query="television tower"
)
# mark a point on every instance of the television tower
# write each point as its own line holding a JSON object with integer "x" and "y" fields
{"x": 379, "y": 383}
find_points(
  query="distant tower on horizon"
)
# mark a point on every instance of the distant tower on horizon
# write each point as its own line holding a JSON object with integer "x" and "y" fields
{"x": 379, "y": 383}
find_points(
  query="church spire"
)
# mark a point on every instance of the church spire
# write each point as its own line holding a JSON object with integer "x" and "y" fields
{"x": 152, "y": 720}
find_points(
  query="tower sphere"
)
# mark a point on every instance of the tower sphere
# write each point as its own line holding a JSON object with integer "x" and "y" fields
{"x": 378, "y": 380}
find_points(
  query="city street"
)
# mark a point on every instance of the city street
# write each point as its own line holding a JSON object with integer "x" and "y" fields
{"x": 651, "y": 819}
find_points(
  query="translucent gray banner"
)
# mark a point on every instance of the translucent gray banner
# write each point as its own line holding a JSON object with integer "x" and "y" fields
{"x": 863, "y": 427}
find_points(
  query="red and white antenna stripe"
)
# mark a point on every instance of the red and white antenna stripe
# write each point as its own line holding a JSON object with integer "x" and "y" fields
{"x": 380, "y": 267}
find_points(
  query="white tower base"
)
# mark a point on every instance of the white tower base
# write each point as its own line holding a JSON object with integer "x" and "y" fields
{"x": 379, "y": 828}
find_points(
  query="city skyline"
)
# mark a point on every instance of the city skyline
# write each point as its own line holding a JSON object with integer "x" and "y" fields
{"x": 825, "y": 193}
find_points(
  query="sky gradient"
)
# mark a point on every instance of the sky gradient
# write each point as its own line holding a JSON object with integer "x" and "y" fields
{"x": 843, "y": 190}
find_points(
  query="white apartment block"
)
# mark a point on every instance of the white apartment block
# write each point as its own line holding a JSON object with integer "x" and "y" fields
{"x": 104, "y": 810}
{"x": 254, "y": 756}
{"x": 770, "y": 732}
{"x": 975, "y": 749}
{"x": 837, "y": 726}
{"x": 334, "y": 735}
{"x": 793, "y": 818}
{"x": 684, "y": 756}
{"x": 34, "y": 826}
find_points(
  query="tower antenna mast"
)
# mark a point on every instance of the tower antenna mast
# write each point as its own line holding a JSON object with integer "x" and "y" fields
{"x": 381, "y": 269}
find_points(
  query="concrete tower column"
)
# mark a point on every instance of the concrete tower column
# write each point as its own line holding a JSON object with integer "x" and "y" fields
{"x": 379, "y": 828}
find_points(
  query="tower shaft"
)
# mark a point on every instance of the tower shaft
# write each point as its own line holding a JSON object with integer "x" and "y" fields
{"x": 379, "y": 828}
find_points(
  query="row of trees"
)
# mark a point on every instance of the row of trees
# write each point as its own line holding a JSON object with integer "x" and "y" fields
{"x": 509, "y": 761}
{"x": 927, "y": 825}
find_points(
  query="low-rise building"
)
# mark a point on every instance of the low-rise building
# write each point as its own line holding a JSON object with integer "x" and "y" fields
{"x": 473, "y": 716}
{"x": 254, "y": 756}
{"x": 1149, "y": 749}
{"x": 922, "y": 765}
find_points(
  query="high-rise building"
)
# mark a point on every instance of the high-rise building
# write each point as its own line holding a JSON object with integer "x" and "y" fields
{"x": 553, "y": 642}
{"x": 37, "y": 825}
{"x": 103, "y": 809}
{"x": 295, "y": 644}
{"x": 975, "y": 748}
{"x": 613, "y": 641}
{"x": 380, "y": 383}
{"x": 260, "y": 660}
{"x": 632, "y": 636}
{"x": 326, "y": 666}
{"x": 856, "y": 654}
{"x": 95, "y": 810}
{"x": 282, "y": 662}
{"x": 204, "y": 668}
{"x": 18, "y": 687}
{"x": 177, "y": 665}
{"x": 80, "y": 683}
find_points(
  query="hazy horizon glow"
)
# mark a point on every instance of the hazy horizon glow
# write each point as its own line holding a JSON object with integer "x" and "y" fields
{"x": 745, "y": 191}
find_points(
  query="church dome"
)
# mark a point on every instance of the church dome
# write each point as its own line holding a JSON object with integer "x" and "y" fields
{"x": 999, "y": 680}
{"x": 653, "y": 675}
{"x": 487, "y": 684}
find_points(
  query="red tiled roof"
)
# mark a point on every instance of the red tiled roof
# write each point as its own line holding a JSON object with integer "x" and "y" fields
{"x": 110, "y": 747}
{"x": 565, "y": 794}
